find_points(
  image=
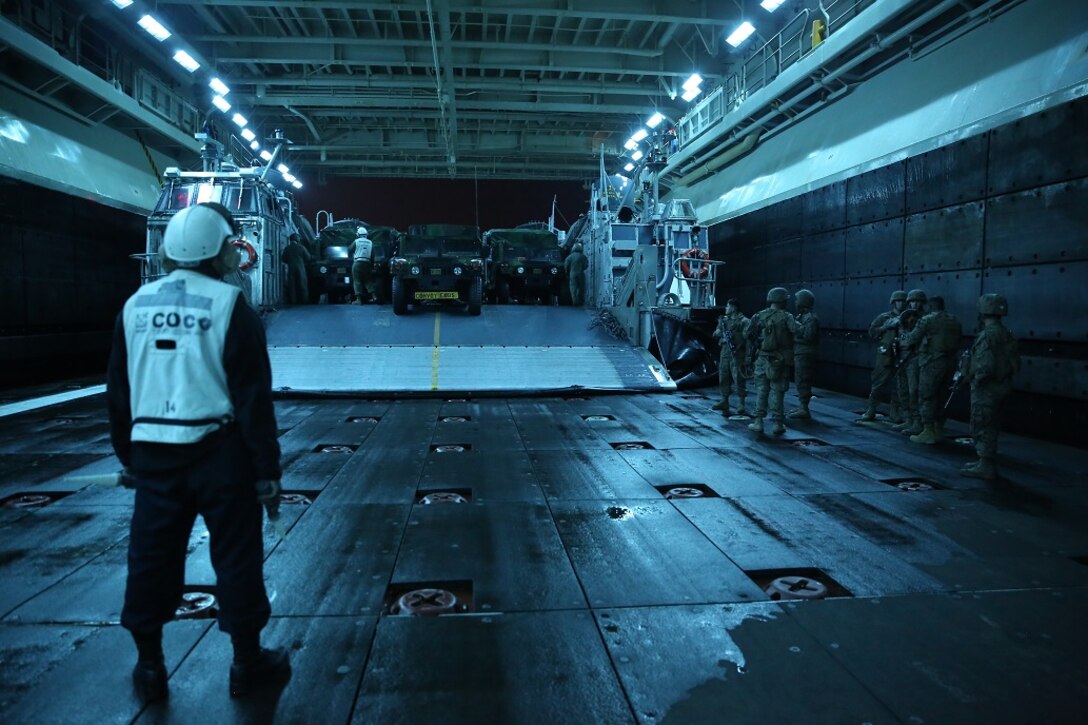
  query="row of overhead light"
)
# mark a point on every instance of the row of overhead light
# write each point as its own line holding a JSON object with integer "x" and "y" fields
{"x": 159, "y": 32}
{"x": 692, "y": 86}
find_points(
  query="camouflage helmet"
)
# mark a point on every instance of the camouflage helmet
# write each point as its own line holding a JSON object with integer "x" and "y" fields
{"x": 898, "y": 296}
{"x": 804, "y": 298}
{"x": 778, "y": 294}
{"x": 916, "y": 295}
{"x": 577, "y": 247}
{"x": 993, "y": 304}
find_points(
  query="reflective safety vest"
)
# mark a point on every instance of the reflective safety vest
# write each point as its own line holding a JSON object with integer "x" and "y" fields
{"x": 175, "y": 332}
{"x": 364, "y": 249}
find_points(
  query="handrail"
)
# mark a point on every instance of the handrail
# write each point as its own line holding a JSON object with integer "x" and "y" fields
{"x": 762, "y": 66}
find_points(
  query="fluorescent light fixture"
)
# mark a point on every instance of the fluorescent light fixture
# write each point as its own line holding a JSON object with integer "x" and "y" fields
{"x": 693, "y": 81}
{"x": 629, "y": 167}
{"x": 689, "y": 96}
{"x": 221, "y": 103}
{"x": 655, "y": 120}
{"x": 297, "y": 184}
{"x": 218, "y": 86}
{"x": 741, "y": 34}
{"x": 186, "y": 61}
{"x": 631, "y": 144}
{"x": 122, "y": 3}
{"x": 639, "y": 135}
{"x": 771, "y": 5}
{"x": 239, "y": 120}
{"x": 636, "y": 156}
{"x": 289, "y": 178}
{"x": 255, "y": 145}
{"x": 154, "y": 27}
{"x": 266, "y": 156}
{"x": 248, "y": 135}
{"x": 282, "y": 168}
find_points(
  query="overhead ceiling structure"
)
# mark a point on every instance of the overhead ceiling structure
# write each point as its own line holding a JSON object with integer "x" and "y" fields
{"x": 461, "y": 88}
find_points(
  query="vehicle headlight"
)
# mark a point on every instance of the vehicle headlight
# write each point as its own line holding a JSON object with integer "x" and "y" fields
{"x": 414, "y": 270}
{"x": 521, "y": 270}
{"x": 457, "y": 270}
{"x": 555, "y": 270}
{"x": 323, "y": 269}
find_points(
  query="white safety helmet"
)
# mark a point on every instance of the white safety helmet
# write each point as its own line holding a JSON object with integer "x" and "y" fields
{"x": 361, "y": 231}
{"x": 196, "y": 234}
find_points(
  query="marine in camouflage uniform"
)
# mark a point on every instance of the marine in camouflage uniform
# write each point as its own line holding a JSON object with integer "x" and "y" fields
{"x": 731, "y": 361}
{"x": 937, "y": 336}
{"x": 905, "y": 372}
{"x": 769, "y": 333}
{"x": 906, "y": 367}
{"x": 806, "y": 347}
{"x": 884, "y": 329}
{"x": 295, "y": 257}
{"x": 994, "y": 360}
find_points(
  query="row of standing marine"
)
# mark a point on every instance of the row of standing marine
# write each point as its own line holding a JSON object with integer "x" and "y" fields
{"x": 918, "y": 353}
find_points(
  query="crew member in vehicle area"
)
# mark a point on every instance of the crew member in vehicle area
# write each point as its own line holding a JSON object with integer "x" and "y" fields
{"x": 191, "y": 419}
{"x": 575, "y": 266}
{"x": 296, "y": 257}
{"x": 361, "y": 251}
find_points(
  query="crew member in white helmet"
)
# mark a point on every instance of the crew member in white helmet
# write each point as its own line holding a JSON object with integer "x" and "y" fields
{"x": 362, "y": 251}
{"x": 191, "y": 418}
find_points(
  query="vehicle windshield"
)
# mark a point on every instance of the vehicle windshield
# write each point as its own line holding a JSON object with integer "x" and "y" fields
{"x": 525, "y": 244}
{"x": 419, "y": 246}
{"x": 238, "y": 196}
{"x": 460, "y": 245}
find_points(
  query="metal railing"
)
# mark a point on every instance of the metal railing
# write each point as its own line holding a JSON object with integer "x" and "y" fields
{"x": 766, "y": 63}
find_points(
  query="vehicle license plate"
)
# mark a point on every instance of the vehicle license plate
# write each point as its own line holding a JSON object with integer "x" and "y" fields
{"x": 436, "y": 295}
{"x": 436, "y": 270}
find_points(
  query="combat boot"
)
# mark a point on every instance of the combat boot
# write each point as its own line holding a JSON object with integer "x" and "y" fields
{"x": 779, "y": 428}
{"x": 927, "y": 436}
{"x": 269, "y": 668}
{"x": 756, "y": 426}
{"x": 915, "y": 427}
{"x": 741, "y": 409}
{"x": 869, "y": 415}
{"x": 982, "y": 468}
{"x": 722, "y": 405}
{"x": 894, "y": 414}
{"x": 149, "y": 679}
{"x": 801, "y": 412}
{"x": 901, "y": 426}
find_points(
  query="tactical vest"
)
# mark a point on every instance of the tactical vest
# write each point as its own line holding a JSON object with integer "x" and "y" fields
{"x": 807, "y": 341}
{"x": 175, "y": 333}
{"x": 364, "y": 249}
{"x": 1003, "y": 347}
{"x": 776, "y": 335}
{"x": 735, "y": 324}
{"x": 943, "y": 333}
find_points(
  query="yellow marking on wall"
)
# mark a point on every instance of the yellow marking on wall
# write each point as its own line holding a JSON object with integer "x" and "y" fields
{"x": 434, "y": 352}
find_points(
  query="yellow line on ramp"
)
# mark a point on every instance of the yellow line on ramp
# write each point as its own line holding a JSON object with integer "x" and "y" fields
{"x": 434, "y": 352}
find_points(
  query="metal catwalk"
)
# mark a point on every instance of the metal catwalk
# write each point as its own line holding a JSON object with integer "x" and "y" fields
{"x": 338, "y": 349}
{"x": 585, "y": 595}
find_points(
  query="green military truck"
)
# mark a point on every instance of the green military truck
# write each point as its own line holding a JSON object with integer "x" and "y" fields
{"x": 525, "y": 265}
{"x": 329, "y": 271}
{"x": 438, "y": 263}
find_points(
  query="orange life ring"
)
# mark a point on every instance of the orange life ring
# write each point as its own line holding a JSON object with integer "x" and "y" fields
{"x": 248, "y": 253}
{"x": 702, "y": 270}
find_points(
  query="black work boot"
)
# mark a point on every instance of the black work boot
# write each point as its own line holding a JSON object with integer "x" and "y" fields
{"x": 270, "y": 668}
{"x": 149, "y": 679}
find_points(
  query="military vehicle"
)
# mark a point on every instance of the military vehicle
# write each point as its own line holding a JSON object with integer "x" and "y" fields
{"x": 329, "y": 270}
{"x": 438, "y": 263}
{"x": 650, "y": 270}
{"x": 260, "y": 202}
{"x": 525, "y": 265}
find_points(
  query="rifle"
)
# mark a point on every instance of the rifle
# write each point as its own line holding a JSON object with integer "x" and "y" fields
{"x": 958, "y": 378}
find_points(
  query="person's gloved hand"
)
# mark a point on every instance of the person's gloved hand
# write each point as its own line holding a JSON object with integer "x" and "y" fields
{"x": 125, "y": 479}
{"x": 268, "y": 493}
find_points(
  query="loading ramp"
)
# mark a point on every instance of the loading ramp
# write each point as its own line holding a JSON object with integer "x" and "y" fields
{"x": 347, "y": 349}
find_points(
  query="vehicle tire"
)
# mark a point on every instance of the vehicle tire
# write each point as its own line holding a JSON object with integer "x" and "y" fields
{"x": 400, "y": 297}
{"x": 475, "y": 296}
{"x": 503, "y": 294}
